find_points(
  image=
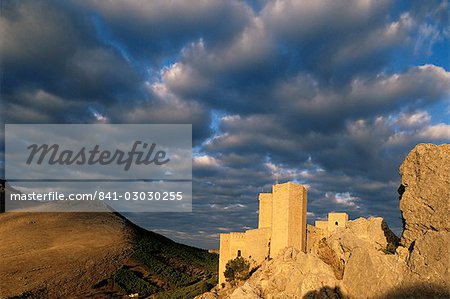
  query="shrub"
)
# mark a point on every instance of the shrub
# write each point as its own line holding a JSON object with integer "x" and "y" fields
{"x": 237, "y": 269}
{"x": 189, "y": 292}
{"x": 129, "y": 282}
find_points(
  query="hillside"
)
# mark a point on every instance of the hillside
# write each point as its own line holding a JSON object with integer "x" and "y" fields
{"x": 56, "y": 255}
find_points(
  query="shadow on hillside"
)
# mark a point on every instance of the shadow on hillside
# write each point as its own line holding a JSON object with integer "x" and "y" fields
{"x": 423, "y": 290}
{"x": 325, "y": 292}
{"x": 428, "y": 291}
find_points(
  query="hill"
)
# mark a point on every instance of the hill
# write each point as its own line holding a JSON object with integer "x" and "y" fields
{"x": 64, "y": 255}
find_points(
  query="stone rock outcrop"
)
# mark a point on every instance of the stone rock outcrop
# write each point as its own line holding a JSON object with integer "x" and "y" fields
{"x": 314, "y": 235}
{"x": 371, "y": 233}
{"x": 362, "y": 249}
{"x": 425, "y": 191}
{"x": 290, "y": 274}
{"x": 430, "y": 260}
{"x": 425, "y": 207}
{"x": 370, "y": 273}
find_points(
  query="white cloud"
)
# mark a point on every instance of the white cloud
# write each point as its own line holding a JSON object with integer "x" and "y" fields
{"x": 436, "y": 132}
{"x": 412, "y": 120}
{"x": 345, "y": 198}
{"x": 206, "y": 161}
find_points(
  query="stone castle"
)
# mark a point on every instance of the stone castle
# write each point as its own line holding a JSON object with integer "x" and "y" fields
{"x": 281, "y": 223}
{"x": 334, "y": 220}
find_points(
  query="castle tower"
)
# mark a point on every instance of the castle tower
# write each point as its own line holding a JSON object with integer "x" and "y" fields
{"x": 265, "y": 210}
{"x": 289, "y": 204}
{"x": 334, "y": 220}
{"x": 337, "y": 220}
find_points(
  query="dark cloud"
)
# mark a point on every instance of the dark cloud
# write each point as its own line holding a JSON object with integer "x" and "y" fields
{"x": 159, "y": 29}
{"x": 58, "y": 69}
{"x": 54, "y": 68}
{"x": 331, "y": 94}
{"x": 50, "y": 47}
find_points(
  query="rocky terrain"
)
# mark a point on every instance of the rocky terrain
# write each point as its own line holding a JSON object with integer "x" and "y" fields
{"x": 365, "y": 259}
{"x": 100, "y": 255}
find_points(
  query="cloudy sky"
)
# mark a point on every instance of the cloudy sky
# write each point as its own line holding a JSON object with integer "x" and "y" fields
{"x": 331, "y": 94}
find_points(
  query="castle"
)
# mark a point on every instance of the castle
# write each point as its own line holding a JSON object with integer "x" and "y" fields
{"x": 334, "y": 220}
{"x": 281, "y": 223}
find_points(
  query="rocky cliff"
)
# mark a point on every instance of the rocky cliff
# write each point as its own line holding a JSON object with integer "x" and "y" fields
{"x": 425, "y": 207}
{"x": 365, "y": 259}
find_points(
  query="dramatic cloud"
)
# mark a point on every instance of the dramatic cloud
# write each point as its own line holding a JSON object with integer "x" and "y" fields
{"x": 158, "y": 29}
{"x": 330, "y": 94}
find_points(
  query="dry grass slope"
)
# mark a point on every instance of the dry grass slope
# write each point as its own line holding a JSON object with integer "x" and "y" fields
{"x": 74, "y": 255}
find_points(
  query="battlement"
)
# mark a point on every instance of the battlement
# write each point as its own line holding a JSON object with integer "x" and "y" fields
{"x": 234, "y": 235}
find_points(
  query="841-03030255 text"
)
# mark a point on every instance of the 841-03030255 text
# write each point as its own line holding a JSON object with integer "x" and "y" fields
{"x": 100, "y": 195}
{"x": 141, "y": 195}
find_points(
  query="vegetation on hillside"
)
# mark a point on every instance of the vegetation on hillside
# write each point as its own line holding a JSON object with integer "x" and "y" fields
{"x": 130, "y": 282}
{"x": 189, "y": 291}
{"x": 166, "y": 269}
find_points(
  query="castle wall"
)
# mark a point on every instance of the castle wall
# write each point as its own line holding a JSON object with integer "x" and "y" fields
{"x": 322, "y": 224}
{"x": 257, "y": 245}
{"x": 288, "y": 217}
{"x": 231, "y": 244}
{"x": 337, "y": 220}
{"x": 253, "y": 245}
{"x": 265, "y": 210}
{"x": 224, "y": 255}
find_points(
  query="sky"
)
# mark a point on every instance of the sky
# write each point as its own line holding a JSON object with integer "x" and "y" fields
{"x": 330, "y": 94}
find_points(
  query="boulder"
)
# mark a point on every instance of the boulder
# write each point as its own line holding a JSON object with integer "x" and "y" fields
{"x": 370, "y": 273}
{"x": 247, "y": 291}
{"x": 292, "y": 274}
{"x": 367, "y": 233}
{"x": 430, "y": 260}
{"x": 374, "y": 231}
{"x": 329, "y": 257}
{"x": 425, "y": 206}
{"x": 361, "y": 246}
{"x": 425, "y": 191}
